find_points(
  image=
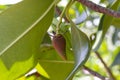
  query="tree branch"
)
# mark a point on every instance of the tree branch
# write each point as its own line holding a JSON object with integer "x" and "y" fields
{"x": 107, "y": 69}
{"x": 99, "y": 8}
{"x": 58, "y": 11}
{"x": 94, "y": 73}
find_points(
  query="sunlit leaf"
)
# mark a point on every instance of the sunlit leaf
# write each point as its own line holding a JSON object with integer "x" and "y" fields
{"x": 3, "y": 7}
{"x": 104, "y": 25}
{"x": 42, "y": 71}
{"x": 22, "y": 28}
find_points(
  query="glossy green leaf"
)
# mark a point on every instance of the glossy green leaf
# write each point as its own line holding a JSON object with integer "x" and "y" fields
{"x": 104, "y": 25}
{"x": 81, "y": 48}
{"x": 22, "y": 28}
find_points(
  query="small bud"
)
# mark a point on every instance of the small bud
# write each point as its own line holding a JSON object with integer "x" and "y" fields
{"x": 59, "y": 44}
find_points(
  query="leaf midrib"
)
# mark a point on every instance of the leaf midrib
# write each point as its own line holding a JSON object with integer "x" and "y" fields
{"x": 56, "y": 61}
{"x": 30, "y": 28}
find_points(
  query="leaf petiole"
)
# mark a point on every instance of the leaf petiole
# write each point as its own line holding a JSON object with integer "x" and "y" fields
{"x": 62, "y": 14}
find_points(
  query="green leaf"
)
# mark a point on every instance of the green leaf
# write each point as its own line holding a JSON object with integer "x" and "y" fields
{"x": 34, "y": 76}
{"x": 116, "y": 57}
{"x": 50, "y": 61}
{"x": 115, "y": 37}
{"x": 22, "y": 28}
{"x": 46, "y": 39}
{"x": 56, "y": 69}
{"x": 47, "y": 52}
{"x": 116, "y": 22}
{"x": 3, "y": 7}
{"x": 41, "y": 71}
{"x": 81, "y": 48}
{"x": 104, "y": 25}
{"x": 117, "y": 60}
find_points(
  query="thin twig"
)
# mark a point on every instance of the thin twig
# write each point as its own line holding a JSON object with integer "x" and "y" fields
{"x": 99, "y": 8}
{"x": 94, "y": 73}
{"x": 106, "y": 67}
{"x": 59, "y": 12}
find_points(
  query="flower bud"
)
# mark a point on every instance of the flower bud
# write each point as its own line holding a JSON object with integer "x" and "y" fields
{"x": 59, "y": 43}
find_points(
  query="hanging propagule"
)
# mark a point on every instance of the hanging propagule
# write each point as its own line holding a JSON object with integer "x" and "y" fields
{"x": 99, "y": 8}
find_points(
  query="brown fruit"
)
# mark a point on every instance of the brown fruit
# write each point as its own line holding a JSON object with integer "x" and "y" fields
{"x": 59, "y": 43}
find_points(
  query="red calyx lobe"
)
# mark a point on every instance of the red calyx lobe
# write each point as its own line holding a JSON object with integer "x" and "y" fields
{"x": 59, "y": 43}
